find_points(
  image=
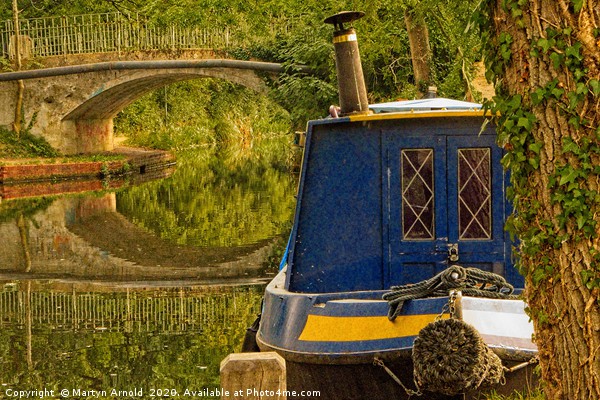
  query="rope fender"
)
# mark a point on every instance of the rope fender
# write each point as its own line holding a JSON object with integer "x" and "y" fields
{"x": 450, "y": 357}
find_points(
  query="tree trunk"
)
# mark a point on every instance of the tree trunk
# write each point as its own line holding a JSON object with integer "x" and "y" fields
{"x": 418, "y": 38}
{"x": 546, "y": 67}
{"x": 20, "y": 84}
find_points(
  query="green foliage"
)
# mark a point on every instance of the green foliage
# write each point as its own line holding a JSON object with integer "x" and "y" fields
{"x": 44, "y": 8}
{"x": 231, "y": 185}
{"x": 293, "y": 32}
{"x": 214, "y": 200}
{"x": 24, "y": 145}
{"x": 171, "y": 344}
{"x": 5, "y": 65}
{"x": 23, "y": 207}
{"x": 527, "y": 395}
{"x": 207, "y": 113}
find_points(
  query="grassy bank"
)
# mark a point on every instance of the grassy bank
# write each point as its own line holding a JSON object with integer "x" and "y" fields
{"x": 532, "y": 395}
{"x": 29, "y": 149}
{"x": 24, "y": 145}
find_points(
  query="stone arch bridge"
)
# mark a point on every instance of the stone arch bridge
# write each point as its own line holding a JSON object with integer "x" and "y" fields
{"x": 73, "y": 107}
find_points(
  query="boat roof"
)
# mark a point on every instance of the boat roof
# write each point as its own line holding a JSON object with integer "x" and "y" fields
{"x": 437, "y": 103}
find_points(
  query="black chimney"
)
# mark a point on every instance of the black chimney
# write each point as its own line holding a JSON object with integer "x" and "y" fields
{"x": 351, "y": 82}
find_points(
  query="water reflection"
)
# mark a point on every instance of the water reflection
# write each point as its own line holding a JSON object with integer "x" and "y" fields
{"x": 96, "y": 337}
{"x": 212, "y": 202}
{"x": 149, "y": 286}
{"x": 204, "y": 223}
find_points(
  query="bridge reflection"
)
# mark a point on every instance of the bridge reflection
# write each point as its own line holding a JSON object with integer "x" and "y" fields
{"x": 101, "y": 337}
{"x": 86, "y": 238}
{"x": 79, "y": 307}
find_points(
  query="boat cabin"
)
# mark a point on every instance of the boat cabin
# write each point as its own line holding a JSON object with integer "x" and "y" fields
{"x": 391, "y": 198}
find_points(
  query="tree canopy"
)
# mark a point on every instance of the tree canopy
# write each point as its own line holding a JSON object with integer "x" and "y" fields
{"x": 382, "y": 33}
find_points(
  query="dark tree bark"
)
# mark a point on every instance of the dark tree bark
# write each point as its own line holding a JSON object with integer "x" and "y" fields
{"x": 546, "y": 64}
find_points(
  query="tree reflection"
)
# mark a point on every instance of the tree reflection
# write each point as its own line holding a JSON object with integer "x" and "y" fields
{"x": 213, "y": 201}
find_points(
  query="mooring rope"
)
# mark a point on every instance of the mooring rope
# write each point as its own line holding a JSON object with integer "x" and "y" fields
{"x": 470, "y": 281}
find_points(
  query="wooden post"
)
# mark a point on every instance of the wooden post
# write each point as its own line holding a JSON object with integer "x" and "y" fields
{"x": 253, "y": 376}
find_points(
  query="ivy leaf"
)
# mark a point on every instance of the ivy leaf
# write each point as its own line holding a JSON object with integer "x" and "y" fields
{"x": 534, "y": 162}
{"x": 586, "y": 275}
{"x": 538, "y": 275}
{"x": 557, "y": 60}
{"x": 544, "y": 44}
{"x": 574, "y": 100}
{"x": 525, "y": 123}
{"x": 557, "y": 92}
{"x": 577, "y": 5}
{"x": 568, "y": 175}
{"x": 580, "y": 221}
{"x": 581, "y": 88}
{"x": 569, "y": 145}
{"x": 536, "y": 147}
{"x": 515, "y": 102}
{"x": 573, "y": 51}
{"x": 595, "y": 85}
{"x": 575, "y": 121}
{"x": 537, "y": 96}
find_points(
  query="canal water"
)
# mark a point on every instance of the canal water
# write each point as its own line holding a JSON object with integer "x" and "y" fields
{"x": 140, "y": 291}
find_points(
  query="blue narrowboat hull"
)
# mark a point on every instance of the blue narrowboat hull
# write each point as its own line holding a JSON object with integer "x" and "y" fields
{"x": 330, "y": 341}
{"x": 354, "y": 328}
{"x": 340, "y": 328}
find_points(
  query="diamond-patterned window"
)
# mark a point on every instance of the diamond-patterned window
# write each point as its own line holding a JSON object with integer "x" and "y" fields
{"x": 474, "y": 194}
{"x": 417, "y": 194}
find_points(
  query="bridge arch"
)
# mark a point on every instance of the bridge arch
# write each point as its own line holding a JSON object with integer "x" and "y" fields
{"x": 73, "y": 107}
{"x": 113, "y": 96}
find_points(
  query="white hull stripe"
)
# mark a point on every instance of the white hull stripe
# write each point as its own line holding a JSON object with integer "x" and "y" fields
{"x": 500, "y": 324}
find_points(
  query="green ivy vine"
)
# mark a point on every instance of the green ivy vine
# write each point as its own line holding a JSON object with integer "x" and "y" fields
{"x": 517, "y": 129}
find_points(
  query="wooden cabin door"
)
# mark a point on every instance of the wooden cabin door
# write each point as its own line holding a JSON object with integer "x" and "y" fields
{"x": 445, "y": 199}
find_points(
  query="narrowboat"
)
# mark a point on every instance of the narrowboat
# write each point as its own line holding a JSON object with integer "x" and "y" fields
{"x": 398, "y": 229}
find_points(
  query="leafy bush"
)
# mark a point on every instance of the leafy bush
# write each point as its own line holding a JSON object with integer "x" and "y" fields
{"x": 24, "y": 145}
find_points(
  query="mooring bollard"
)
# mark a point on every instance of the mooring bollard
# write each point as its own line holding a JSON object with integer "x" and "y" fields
{"x": 253, "y": 376}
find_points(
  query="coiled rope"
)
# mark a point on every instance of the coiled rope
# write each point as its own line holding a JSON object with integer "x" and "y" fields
{"x": 470, "y": 281}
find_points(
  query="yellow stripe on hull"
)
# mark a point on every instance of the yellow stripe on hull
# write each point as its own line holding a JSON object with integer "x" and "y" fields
{"x": 320, "y": 328}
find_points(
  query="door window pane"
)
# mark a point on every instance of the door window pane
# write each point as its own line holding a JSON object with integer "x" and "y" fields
{"x": 474, "y": 194}
{"x": 417, "y": 194}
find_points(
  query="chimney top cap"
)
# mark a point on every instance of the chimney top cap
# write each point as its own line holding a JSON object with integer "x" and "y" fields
{"x": 340, "y": 18}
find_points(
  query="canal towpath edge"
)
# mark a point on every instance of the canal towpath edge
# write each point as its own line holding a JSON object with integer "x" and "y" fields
{"x": 34, "y": 172}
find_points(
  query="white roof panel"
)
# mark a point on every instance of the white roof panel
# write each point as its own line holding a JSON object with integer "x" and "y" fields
{"x": 438, "y": 103}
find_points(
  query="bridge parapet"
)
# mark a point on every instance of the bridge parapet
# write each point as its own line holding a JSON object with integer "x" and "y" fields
{"x": 116, "y": 32}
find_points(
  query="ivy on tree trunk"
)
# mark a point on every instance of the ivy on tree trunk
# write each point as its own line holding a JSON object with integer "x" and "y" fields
{"x": 544, "y": 60}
